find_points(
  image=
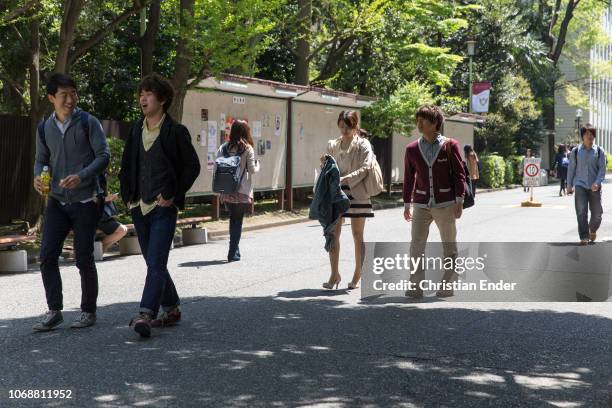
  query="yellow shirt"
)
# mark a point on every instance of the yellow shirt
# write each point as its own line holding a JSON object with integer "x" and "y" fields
{"x": 149, "y": 136}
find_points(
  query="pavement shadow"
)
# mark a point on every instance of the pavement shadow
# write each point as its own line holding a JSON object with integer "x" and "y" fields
{"x": 310, "y": 293}
{"x": 196, "y": 264}
{"x": 270, "y": 351}
{"x": 383, "y": 300}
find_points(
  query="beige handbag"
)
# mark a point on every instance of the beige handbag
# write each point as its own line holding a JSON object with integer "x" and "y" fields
{"x": 374, "y": 184}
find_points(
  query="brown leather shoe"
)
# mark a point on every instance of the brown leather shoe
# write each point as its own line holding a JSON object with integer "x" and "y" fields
{"x": 592, "y": 236}
{"x": 170, "y": 318}
{"x": 142, "y": 324}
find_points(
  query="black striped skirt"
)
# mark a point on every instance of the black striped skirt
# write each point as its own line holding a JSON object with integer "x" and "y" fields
{"x": 358, "y": 208}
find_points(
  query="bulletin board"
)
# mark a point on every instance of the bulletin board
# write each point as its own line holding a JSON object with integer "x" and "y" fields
{"x": 312, "y": 126}
{"x": 208, "y": 115}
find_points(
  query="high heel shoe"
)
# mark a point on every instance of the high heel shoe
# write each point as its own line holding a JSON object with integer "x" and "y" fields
{"x": 330, "y": 285}
{"x": 352, "y": 285}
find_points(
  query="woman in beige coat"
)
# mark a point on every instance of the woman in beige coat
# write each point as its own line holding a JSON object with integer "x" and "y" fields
{"x": 353, "y": 154}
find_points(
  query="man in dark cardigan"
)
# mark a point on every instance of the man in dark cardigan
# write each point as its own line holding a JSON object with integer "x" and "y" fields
{"x": 158, "y": 167}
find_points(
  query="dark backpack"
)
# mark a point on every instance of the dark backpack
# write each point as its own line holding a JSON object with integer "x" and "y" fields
{"x": 227, "y": 177}
{"x": 85, "y": 126}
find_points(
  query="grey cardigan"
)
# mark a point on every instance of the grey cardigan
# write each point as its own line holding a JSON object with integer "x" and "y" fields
{"x": 73, "y": 153}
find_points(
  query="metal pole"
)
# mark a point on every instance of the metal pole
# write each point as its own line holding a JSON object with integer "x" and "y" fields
{"x": 470, "y": 85}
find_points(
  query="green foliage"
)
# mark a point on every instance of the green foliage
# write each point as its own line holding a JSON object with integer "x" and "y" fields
{"x": 512, "y": 173}
{"x": 495, "y": 135}
{"x": 396, "y": 114}
{"x": 451, "y": 105}
{"x": 116, "y": 146}
{"x": 609, "y": 162}
{"x": 516, "y": 163}
{"x": 513, "y": 125}
{"x": 508, "y": 173}
{"x": 493, "y": 171}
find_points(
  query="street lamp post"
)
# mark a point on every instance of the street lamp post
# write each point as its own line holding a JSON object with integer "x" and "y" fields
{"x": 471, "y": 44}
{"x": 578, "y": 117}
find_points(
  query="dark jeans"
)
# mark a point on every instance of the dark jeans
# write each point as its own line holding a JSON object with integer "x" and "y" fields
{"x": 472, "y": 186}
{"x": 586, "y": 200}
{"x": 59, "y": 219}
{"x": 563, "y": 185}
{"x": 155, "y": 234}
{"x": 236, "y": 212}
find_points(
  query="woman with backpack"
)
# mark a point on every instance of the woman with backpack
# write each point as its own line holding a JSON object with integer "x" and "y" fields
{"x": 561, "y": 166}
{"x": 239, "y": 202}
{"x": 353, "y": 154}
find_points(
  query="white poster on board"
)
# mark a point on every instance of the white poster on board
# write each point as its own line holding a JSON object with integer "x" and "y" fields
{"x": 212, "y": 136}
{"x": 257, "y": 129}
{"x": 203, "y": 135}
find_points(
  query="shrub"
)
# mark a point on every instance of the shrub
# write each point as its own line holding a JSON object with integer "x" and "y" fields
{"x": 609, "y": 163}
{"x": 509, "y": 172}
{"x": 116, "y": 146}
{"x": 493, "y": 171}
{"x": 517, "y": 162}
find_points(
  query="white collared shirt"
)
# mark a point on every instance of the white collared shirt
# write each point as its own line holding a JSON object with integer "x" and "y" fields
{"x": 62, "y": 126}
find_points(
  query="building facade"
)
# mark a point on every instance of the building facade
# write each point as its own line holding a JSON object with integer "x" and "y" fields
{"x": 599, "y": 91}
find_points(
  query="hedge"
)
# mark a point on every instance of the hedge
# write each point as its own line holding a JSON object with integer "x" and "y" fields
{"x": 517, "y": 171}
{"x": 509, "y": 172}
{"x": 493, "y": 171}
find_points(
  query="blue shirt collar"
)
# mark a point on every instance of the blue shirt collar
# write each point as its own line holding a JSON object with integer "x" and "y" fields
{"x": 438, "y": 140}
{"x": 75, "y": 111}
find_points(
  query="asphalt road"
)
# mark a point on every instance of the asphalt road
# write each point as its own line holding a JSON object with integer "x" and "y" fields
{"x": 261, "y": 332}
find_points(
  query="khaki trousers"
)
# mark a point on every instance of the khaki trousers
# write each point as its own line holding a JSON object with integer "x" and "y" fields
{"x": 446, "y": 222}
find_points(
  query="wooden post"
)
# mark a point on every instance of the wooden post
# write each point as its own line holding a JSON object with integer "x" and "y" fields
{"x": 216, "y": 208}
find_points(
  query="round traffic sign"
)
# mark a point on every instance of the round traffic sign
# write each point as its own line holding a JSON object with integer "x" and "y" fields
{"x": 532, "y": 170}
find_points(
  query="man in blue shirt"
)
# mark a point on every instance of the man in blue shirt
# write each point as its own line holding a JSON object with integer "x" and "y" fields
{"x": 586, "y": 172}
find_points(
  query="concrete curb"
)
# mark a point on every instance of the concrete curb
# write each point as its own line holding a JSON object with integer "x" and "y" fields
{"x": 222, "y": 234}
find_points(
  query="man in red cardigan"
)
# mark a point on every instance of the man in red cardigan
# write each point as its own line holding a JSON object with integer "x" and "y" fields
{"x": 434, "y": 183}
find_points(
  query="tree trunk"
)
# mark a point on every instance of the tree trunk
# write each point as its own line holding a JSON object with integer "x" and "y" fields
{"x": 72, "y": 10}
{"x": 548, "y": 110}
{"x": 302, "y": 63}
{"x": 555, "y": 50}
{"x": 182, "y": 67}
{"x": 147, "y": 42}
{"x": 34, "y": 204}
